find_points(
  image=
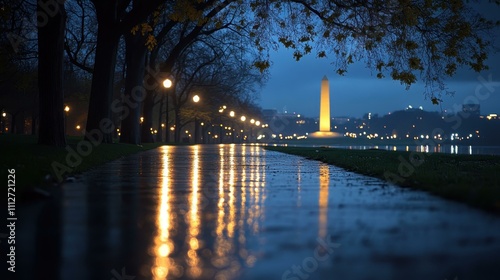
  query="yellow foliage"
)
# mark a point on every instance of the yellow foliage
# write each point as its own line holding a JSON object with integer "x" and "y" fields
{"x": 145, "y": 28}
{"x": 134, "y": 29}
{"x": 151, "y": 42}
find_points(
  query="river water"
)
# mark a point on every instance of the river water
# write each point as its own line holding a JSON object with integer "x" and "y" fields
{"x": 446, "y": 149}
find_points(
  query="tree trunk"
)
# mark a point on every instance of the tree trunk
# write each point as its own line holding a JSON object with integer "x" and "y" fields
{"x": 160, "y": 119}
{"x": 34, "y": 118}
{"x": 153, "y": 84}
{"x": 101, "y": 92}
{"x": 13, "y": 121}
{"x": 33, "y": 125}
{"x": 135, "y": 93}
{"x": 147, "y": 113}
{"x": 50, "y": 72}
{"x": 177, "y": 131}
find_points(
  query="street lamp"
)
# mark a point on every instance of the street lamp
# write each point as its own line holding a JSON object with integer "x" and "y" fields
{"x": 243, "y": 119}
{"x": 196, "y": 99}
{"x": 232, "y": 114}
{"x": 167, "y": 83}
{"x": 4, "y": 115}
{"x": 252, "y": 122}
{"x": 66, "y": 109}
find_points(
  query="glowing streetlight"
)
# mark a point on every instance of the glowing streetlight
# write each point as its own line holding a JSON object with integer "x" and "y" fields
{"x": 232, "y": 114}
{"x": 78, "y": 127}
{"x": 167, "y": 83}
{"x": 243, "y": 118}
{"x": 4, "y": 114}
{"x": 257, "y": 123}
{"x": 196, "y": 99}
{"x": 252, "y": 121}
{"x": 66, "y": 109}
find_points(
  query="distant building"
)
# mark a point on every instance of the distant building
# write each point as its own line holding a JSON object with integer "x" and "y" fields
{"x": 472, "y": 109}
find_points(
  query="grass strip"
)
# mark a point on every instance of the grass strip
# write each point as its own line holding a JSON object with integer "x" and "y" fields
{"x": 471, "y": 179}
{"x": 33, "y": 162}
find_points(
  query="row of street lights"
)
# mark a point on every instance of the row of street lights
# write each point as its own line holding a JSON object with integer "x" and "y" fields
{"x": 168, "y": 83}
{"x": 243, "y": 119}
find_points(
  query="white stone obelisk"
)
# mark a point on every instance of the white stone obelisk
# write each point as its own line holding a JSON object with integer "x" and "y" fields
{"x": 324, "y": 106}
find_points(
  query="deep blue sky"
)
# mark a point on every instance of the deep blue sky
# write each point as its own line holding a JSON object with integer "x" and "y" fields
{"x": 296, "y": 85}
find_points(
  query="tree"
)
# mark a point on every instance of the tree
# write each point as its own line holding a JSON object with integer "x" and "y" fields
{"x": 405, "y": 39}
{"x": 80, "y": 43}
{"x": 214, "y": 69}
{"x": 18, "y": 60}
{"x": 50, "y": 83}
{"x": 114, "y": 18}
{"x": 194, "y": 20}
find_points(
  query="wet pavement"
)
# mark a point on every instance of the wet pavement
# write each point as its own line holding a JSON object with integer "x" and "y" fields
{"x": 241, "y": 212}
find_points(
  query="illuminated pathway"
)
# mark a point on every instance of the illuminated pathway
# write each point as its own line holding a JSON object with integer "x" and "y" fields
{"x": 241, "y": 212}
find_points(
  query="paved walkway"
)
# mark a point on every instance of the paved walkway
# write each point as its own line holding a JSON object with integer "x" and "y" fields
{"x": 240, "y": 212}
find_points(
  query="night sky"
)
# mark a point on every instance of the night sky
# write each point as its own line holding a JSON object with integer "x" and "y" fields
{"x": 295, "y": 86}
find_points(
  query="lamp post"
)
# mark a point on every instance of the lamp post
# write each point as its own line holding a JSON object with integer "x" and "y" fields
{"x": 66, "y": 110}
{"x": 243, "y": 119}
{"x": 252, "y": 123}
{"x": 232, "y": 114}
{"x": 221, "y": 110}
{"x": 196, "y": 99}
{"x": 167, "y": 84}
{"x": 4, "y": 115}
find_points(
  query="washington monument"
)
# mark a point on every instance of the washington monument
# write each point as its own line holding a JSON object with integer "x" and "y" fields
{"x": 324, "y": 113}
{"x": 324, "y": 106}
